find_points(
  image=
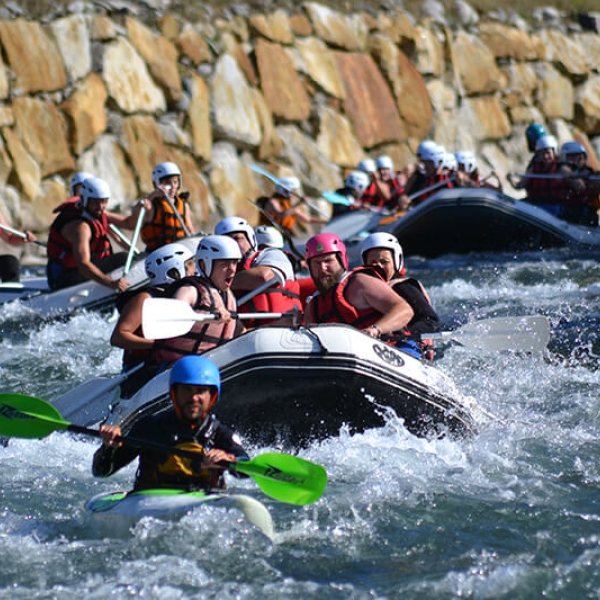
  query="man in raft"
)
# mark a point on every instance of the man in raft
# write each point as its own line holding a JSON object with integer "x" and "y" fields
{"x": 195, "y": 386}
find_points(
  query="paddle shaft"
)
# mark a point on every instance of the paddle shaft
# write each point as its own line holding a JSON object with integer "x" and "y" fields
{"x": 278, "y": 182}
{"x": 20, "y": 234}
{"x": 122, "y": 237}
{"x": 134, "y": 240}
{"x": 185, "y": 228}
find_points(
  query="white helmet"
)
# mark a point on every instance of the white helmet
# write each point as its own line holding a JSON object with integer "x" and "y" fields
{"x": 384, "y": 162}
{"x": 367, "y": 165}
{"x": 268, "y": 236}
{"x": 449, "y": 163}
{"x": 466, "y": 158}
{"x": 381, "y": 239}
{"x": 276, "y": 259}
{"x": 234, "y": 225}
{"x": 429, "y": 152}
{"x": 94, "y": 187}
{"x": 545, "y": 142}
{"x": 77, "y": 179}
{"x": 571, "y": 148}
{"x": 425, "y": 146}
{"x": 216, "y": 247}
{"x": 358, "y": 181}
{"x": 165, "y": 169}
{"x": 287, "y": 185}
{"x": 167, "y": 263}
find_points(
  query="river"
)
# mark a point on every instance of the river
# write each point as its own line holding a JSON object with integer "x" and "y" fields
{"x": 513, "y": 512}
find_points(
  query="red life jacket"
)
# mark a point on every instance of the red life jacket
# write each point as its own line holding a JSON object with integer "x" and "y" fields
{"x": 334, "y": 308}
{"x": 60, "y": 250}
{"x": 165, "y": 228}
{"x": 204, "y": 335}
{"x": 274, "y": 299}
{"x": 545, "y": 191}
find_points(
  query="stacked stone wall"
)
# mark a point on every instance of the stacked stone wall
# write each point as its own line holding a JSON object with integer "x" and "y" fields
{"x": 309, "y": 93}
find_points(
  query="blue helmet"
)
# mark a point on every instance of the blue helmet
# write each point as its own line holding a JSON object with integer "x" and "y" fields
{"x": 196, "y": 370}
{"x": 533, "y": 133}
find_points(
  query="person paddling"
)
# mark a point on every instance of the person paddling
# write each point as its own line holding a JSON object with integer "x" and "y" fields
{"x": 383, "y": 251}
{"x": 360, "y": 297}
{"x": 209, "y": 292}
{"x": 79, "y": 247}
{"x": 195, "y": 387}
{"x": 164, "y": 266}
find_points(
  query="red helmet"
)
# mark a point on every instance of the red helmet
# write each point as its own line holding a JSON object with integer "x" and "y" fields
{"x": 325, "y": 243}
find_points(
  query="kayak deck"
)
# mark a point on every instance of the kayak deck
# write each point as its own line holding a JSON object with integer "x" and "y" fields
{"x": 163, "y": 503}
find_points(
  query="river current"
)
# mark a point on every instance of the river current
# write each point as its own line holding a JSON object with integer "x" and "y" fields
{"x": 513, "y": 512}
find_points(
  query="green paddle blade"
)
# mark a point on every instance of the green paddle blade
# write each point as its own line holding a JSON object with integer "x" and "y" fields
{"x": 28, "y": 417}
{"x": 286, "y": 478}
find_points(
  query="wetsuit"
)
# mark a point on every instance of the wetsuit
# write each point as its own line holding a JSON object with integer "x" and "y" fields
{"x": 160, "y": 469}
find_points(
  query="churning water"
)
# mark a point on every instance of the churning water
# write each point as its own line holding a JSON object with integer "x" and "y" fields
{"x": 513, "y": 512}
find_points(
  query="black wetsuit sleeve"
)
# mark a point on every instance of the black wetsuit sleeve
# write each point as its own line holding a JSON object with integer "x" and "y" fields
{"x": 108, "y": 461}
{"x": 226, "y": 440}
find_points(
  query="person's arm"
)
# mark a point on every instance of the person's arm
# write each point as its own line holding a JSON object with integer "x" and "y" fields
{"x": 365, "y": 291}
{"x": 112, "y": 455}
{"x": 130, "y": 320}
{"x": 80, "y": 236}
{"x": 250, "y": 279}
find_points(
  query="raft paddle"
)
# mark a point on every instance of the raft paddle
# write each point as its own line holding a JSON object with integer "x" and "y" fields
{"x": 134, "y": 240}
{"x": 168, "y": 317}
{"x": 280, "y": 183}
{"x": 527, "y": 333}
{"x": 283, "y": 477}
{"x": 20, "y": 234}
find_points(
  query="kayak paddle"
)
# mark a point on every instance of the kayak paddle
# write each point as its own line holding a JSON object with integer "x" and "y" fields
{"x": 283, "y": 477}
{"x": 168, "y": 317}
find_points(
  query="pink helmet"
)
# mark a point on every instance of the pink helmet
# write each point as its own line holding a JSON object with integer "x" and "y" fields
{"x": 325, "y": 243}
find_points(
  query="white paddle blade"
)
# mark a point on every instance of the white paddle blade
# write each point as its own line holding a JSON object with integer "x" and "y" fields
{"x": 164, "y": 318}
{"x": 528, "y": 333}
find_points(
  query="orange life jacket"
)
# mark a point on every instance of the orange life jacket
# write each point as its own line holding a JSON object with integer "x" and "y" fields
{"x": 287, "y": 221}
{"x": 60, "y": 250}
{"x": 165, "y": 228}
{"x": 203, "y": 335}
{"x": 333, "y": 307}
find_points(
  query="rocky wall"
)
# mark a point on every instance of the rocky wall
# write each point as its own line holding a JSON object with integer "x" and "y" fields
{"x": 308, "y": 93}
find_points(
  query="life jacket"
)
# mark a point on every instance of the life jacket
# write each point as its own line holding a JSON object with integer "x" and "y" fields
{"x": 334, "y": 308}
{"x": 203, "y": 335}
{"x": 588, "y": 196}
{"x": 60, "y": 250}
{"x": 546, "y": 191}
{"x": 287, "y": 222}
{"x": 165, "y": 228}
{"x": 424, "y": 181}
{"x": 273, "y": 299}
{"x": 372, "y": 198}
{"x": 425, "y": 319}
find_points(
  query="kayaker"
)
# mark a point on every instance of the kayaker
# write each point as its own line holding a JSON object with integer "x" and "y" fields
{"x": 10, "y": 266}
{"x": 167, "y": 218}
{"x": 195, "y": 386}
{"x": 164, "y": 266}
{"x": 383, "y": 251}
{"x": 209, "y": 292}
{"x": 360, "y": 297}
{"x": 79, "y": 248}
{"x": 256, "y": 268}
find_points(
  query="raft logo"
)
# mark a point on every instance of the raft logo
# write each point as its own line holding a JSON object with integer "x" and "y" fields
{"x": 388, "y": 355}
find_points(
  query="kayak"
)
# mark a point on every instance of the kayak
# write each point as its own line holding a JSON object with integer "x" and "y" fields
{"x": 125, "y": 508}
